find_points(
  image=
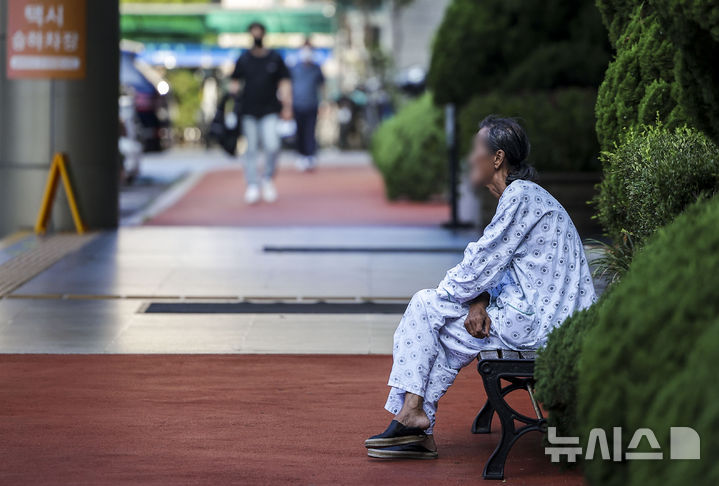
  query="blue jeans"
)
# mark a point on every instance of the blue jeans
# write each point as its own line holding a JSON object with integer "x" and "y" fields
{"x": 306, "y": 122}
{"x": 265, "y": 128}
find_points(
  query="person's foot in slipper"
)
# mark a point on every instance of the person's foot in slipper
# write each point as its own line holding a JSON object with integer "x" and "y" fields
{"x": 407, "y": 427}
{"x": 418, "y": 450}
{"x": 396, "y": 434}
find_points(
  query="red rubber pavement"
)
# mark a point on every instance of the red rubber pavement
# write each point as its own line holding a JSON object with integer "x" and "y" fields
{"x": 327, "y": 196}
{"x": 231, "y": 419}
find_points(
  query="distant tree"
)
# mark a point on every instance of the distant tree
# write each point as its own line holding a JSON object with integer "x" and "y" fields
{"x": 516, "y": 45}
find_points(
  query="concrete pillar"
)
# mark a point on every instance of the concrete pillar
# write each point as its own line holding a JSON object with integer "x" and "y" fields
{"x": 79, "y": 117}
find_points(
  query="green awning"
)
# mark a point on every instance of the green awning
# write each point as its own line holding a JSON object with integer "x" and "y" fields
{"x": 154, "y": 23}
{"x": 304, "y": 21}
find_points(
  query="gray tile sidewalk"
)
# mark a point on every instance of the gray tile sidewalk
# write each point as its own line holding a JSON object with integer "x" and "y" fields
{"x": 91, "y": 301}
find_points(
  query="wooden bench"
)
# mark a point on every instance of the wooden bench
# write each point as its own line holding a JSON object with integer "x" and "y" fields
{"x": 517, "y": 369}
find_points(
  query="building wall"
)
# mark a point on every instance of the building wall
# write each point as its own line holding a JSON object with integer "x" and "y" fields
{"x": 411, "y": 30}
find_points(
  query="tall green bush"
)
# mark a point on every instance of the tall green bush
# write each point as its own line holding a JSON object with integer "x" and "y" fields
{"x": 410, "y": 151}
{"x": 514, "y": 45}
{"x": 639, "y": 85}
{"x": 647, "y": 361}
{"x": 666, "y": 62}
{"x": 560, "y": 125}
{"x": 651, "y": 177}
{"x": 693, "y": 25}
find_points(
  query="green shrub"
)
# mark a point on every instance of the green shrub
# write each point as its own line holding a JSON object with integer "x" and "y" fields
{"x": 651, "y": 177}
{"x": 410, "y": 151}
{"x": 560, "y": 125}
{"x": 664, "y": 63}
{"x": 490, "y": 45}
{"x": 639, "y": 85}
{"x": 187, "y": 91}
{"x": 648, "y": 361}
{"x": 556, "y": 369}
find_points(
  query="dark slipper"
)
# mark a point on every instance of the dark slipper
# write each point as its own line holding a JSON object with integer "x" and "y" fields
{"x": 406, "y": 451}
{"x": 396, "y": 434}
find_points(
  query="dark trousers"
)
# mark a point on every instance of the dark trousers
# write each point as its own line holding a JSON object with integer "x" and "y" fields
{"x": 306, "y": 120}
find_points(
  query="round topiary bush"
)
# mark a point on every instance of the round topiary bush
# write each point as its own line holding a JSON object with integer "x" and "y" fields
{"x": 648, "y": 359}
{"x": 410, "y": 151}
{"x": 651, "y": 177}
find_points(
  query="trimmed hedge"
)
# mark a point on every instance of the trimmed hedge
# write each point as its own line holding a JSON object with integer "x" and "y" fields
{"x": 651, "y": 177}
{"x": 560, "y": 125}
{"x": 648, "y": 361}
{"x": 643, "y": 356}
{"x": 410, "y": 151}
{"x": 556, "y": 369}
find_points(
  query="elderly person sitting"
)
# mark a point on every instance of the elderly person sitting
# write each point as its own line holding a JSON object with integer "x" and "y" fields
{"x": 523, "y": 277}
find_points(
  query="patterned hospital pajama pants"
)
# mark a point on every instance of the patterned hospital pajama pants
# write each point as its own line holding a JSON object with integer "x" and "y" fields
{"x": 431, "y": 345}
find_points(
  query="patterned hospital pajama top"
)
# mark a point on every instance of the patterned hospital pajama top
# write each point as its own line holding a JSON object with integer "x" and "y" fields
{"x": 529, "y": 259}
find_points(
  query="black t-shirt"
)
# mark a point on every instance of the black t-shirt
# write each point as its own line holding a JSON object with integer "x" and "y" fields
{"x": 262, "y": 75}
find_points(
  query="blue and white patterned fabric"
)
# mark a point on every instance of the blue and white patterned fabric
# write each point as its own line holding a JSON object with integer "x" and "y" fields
{"x": 530, "y": 260}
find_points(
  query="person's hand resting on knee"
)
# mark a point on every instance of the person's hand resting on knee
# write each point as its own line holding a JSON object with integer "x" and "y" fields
{"x": 478, "y": 321}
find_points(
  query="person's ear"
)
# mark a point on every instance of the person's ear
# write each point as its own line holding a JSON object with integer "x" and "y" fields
{"x": 498, "y": 159}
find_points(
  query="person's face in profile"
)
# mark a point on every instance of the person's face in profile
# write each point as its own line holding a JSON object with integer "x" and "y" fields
{"x": 481, "y": 161}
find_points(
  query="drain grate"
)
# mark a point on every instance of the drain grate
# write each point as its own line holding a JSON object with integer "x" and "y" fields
{"x": 360, "y": 249}
{"x": 44, "y": 252}
{"x": 274, "y": 308}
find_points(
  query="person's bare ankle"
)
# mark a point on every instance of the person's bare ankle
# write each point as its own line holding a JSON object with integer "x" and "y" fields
{"x": 412, "y": 413}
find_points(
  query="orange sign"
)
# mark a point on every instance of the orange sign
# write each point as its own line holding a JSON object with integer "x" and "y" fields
{"x": 46, "y": 39}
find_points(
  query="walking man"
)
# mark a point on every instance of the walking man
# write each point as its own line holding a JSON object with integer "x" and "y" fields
{"x": 307, "y": 79}
{"x": 267, "y": 94}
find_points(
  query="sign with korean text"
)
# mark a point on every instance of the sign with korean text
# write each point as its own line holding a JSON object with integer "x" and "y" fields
{"x": 46, "y": 39}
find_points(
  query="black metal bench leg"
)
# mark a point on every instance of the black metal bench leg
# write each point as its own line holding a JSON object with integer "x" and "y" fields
{"x": 483, "y": 421}
{"x": 494, "y": 469}
{"x": 519, "y": 373}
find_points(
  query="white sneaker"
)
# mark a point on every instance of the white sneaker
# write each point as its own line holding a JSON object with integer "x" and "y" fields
{"x": 311, "y": 162}
{"x": 301, "y": 163}
{"x": 269, "y": 193}
{"x": 252, "y": 194}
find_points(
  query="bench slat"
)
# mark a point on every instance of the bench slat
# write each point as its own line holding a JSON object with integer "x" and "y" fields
{"x": 507, "y": 354}
{"x": 489, "y": 354}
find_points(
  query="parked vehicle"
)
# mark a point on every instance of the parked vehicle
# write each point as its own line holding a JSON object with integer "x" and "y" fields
{"x": 129, "y": 145}
{"x": 150, "y": 95}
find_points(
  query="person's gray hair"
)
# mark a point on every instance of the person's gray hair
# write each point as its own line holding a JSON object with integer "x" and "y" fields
{"x": 507, "y": 134}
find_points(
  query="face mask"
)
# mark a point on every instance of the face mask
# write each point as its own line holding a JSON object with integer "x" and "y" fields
{"x": 258, "y": 41}
{"x": 305, "y": 54}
